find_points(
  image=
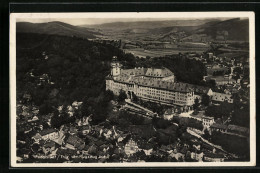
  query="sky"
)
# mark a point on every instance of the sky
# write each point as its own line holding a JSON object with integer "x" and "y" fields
{"x": 93, "y": 21}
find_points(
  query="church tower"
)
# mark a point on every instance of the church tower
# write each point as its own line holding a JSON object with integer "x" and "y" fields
{"x": 116, "y": 66}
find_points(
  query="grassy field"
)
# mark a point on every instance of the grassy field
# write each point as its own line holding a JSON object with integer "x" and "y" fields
{"x": 162, "y": 52}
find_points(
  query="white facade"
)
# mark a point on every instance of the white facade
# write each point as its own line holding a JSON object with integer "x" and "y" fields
{"x": 51, "y": 136}
{"x": 151, "y": 84}
{"x": 131, "y": 147}
{"x": 207, "y": 121}
{"x": 198, "y": 157}
{"x": 116, "y": 67}
{"x": 152, "y": 94}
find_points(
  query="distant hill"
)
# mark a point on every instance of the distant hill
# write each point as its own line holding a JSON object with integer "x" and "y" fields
{"x": 210, "y": 29}
{"x": 234, "y": 29}
{"x": 146, "y": 24}
{"x": 55, "y": 28}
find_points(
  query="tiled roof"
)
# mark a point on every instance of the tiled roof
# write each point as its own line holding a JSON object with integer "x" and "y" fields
{"x": 136, "y": 72}
{"x": 238, "y": 128}
{"x": 37, "y": 136}
{"x": 75, "y": 141}
{"x": 49, "y": 144}
{"x": 151, "y": 72}
{"x": 219, "y": 79}
{"x": 92, "y": 149}
{"x": 210, "y": 118}
{"x": 99, "y": 143}
{"x": 81, "y": 147}
{"x": 199, "y": 89}
{"x": 47, "y": 131}
{"x": 155, "y": 83}
{"x": 218, "y": 126}
{"x": 163, "y": 72}
{"x": 66, "y": 152}
{"x": 221, "y": 96}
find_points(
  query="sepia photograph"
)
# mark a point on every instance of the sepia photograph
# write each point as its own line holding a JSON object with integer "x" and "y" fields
{"x": 157, "y": 89}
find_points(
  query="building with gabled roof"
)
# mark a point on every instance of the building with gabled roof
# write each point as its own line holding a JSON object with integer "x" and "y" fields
{"x": 213, "y": 157}
{"x": 207, "y": 121}
{"x": 73, "y": 142}
{"x": 48, "y": 147}
{"x": 221, "y": 97}
{"x": 218, "y": 127}
{"x": 197, "y": 156}
{"x": 131, "y": 147}
{"x": 153, "y": 84}
{"x": 85, "y": 129}
{"x": 48, "y": 134}
{"x": 237, "y": 129}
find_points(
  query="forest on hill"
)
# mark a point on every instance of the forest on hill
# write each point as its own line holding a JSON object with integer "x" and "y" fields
{"x": 55, "y": 28}
{"x": 58, "y": 70}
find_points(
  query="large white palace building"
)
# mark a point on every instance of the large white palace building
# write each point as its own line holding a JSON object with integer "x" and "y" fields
{"x": 156, "y": 85}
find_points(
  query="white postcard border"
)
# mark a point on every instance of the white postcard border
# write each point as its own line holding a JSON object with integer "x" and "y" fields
{"x": 174, "y": 15}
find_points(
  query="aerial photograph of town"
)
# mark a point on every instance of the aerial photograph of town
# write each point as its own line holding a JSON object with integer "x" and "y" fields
{"x": 126, "y": 90}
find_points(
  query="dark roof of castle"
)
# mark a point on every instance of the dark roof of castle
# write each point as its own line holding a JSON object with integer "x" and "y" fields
{"x": 150, "y": 72}
{"x": 155, "y": 83}
{"x": 152, "y": 77}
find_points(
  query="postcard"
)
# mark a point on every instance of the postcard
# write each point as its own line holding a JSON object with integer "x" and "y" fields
{"x": 147, "y": 89}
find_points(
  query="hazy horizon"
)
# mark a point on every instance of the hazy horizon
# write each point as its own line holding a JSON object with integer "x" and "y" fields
{"x": 99, "y": 21}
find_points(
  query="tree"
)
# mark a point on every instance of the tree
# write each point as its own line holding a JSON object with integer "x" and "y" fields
{"x": 211, "y": 83}
{"x": 109, "y": 95}
{"x": 140, "y": 155}
{"x": 206, "y": 134}
{"x": 205, "y": 100}
{"x": 55, "y": 121}
{"x": 161, "y": 123}
{"x": 99, "y": 115}
{"x": 194, "y": 124}
{"x": 35, "y": 147}
{"x": 135, "y": 98}
{"x": 122, "y": 96}
{"x": 62, "y": 118}
{"x": 236, "y": 77}
{"x": 196, "y": 104}
{"x": 181, "y": 130}
{"x": 45, "y": 108}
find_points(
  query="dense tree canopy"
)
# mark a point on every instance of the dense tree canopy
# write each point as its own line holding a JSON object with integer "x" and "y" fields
{"x": 76, "y": 67}
{"x": 219, "y": 111}
{"x": 185, "y": 69}
{"x": 232, "y": 143}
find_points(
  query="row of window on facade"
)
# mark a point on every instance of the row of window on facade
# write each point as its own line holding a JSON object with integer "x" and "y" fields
{"x": 151, "y": 90}
{"x": 164, "y": 99}
{"x": 151, "y": 93}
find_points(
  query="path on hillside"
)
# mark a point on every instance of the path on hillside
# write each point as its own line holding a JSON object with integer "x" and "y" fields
{"x": 209, "y": 143}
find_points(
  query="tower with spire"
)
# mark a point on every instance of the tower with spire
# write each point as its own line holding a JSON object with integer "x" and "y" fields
{"x": 116, "y": 66}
